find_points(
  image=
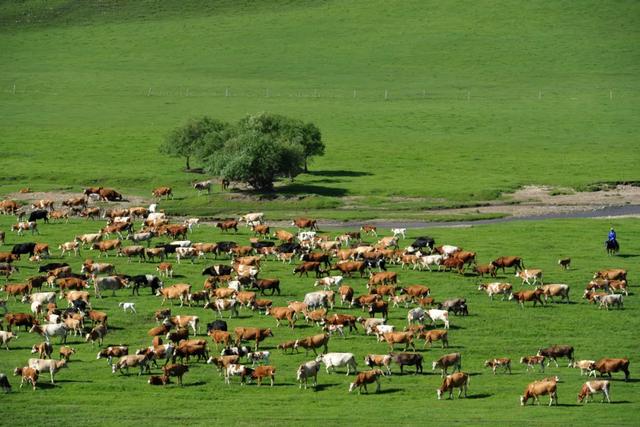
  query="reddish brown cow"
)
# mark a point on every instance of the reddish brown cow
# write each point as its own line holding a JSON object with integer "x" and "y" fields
{"x": 228, "y": 225}
{"x": 349, "y": 267}
{"x": 522, "y": 296}
{"x": 508, "y": 261}
{"x": 302, "y": 223}
{"x": 306, "y": 267}
{"x": 608, "y": 365}
{"x": 162, "y": 191}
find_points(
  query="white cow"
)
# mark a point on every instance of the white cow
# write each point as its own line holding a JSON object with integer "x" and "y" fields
{"x": 380, "y": 330}
{"x": 327, "y": 282}
{"x": 416, "y": 315}
{"x": 436, "y": 314}
{"x": 449, "y": 250}
{"x": 429, "y": 260}
{"x": 306, "y": 235}
{"x": 181, "y": 243}
{"x": 48, "y": 365}
{"x": 607, "y": 300}
{"x": 192, "y": 223}
{"x": 5, "y": 337}
{"x": 399, "y": 232}
{"x": 316, "y": 299}
{"x": 186, "y": 252}
{"x": 531, "y": 276}
{"x": 141, "y": 237}
{"x": 259, "y": 356}
{"x": 496, "y": 288}
{"x": 153, "y": 208}
{"x": 253, "y": 218}
{"x": 41, "y": 297}
{"x": 155, "y": 216}
{"x": 332, "y": 360}
{"x": 235, "y": 370}
{"x": 108, "y": 283}
{"x": 370, "y": 323}
{"x": 50, "y": 330}
{"x": 307, "y": 370}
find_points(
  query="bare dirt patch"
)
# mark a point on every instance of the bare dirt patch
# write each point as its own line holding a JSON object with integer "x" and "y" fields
{"x": 59, "y": 196}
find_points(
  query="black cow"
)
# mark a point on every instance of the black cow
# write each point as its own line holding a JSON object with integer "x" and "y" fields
{"x": 287, "y": 248}
{"x": 262, "y": 244}
{"x": 424, "y": 241}
{"x": 217, "y": 270}
{"x": 143, "y": 281}
{"x": 168, "y": 248}
{"x": 217, "y": 325}
{"x": 373, "y": 263}
{"x": 235, "y": 351}
{"x": 224, "y": 247}
{"x": 51, "y": 266}
{"x": 23, "y": 248}
{"x": 408, "y": 359}
{"x": 39, "y": 214}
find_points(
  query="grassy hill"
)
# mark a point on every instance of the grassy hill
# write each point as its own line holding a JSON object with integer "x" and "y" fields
{"x": 481, "y": 97}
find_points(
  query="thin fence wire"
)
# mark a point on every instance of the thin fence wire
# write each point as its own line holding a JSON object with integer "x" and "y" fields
{"x": 354, "y": 94}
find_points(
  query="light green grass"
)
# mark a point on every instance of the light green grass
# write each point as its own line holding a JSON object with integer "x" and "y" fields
{"x": 463, "y": 120}
{"x": 88, "y": 391}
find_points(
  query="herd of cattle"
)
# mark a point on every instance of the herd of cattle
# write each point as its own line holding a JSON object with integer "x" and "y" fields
{"x": 236, "y": 283}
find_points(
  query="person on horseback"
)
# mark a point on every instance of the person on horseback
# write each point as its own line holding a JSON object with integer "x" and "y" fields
{"x": 611, "y": 244}
{"x": 612, "y": 235}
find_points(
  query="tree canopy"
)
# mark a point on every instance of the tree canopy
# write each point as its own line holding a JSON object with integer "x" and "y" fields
{"x": 258, "y": 149}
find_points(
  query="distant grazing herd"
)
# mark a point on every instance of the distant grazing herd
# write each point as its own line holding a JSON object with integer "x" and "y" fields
{"x": 238, "y": 284}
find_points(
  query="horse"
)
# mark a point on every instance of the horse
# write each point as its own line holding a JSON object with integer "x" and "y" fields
{"x": 611, "y": 246}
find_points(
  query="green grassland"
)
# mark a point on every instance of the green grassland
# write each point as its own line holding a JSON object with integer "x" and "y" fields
{"x": 482, "y": 97}
{"x": 88, "y": 392}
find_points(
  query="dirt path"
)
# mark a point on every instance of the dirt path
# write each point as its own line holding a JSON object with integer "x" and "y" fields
{"x": 526, "y": 204}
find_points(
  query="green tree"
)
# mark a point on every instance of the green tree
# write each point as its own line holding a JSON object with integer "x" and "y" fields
{"x": 197, "y": 138}
{"x": 257, "y": 159}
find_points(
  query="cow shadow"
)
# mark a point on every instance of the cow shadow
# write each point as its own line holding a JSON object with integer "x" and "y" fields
{"x": 628, "y": 255}
{"x": 479, "y": 396}
{"x": 386, "y": 391}
{"x": 195, "y": 384}
{"x": 321, "y": 387}
{"x": 615, "y": 402}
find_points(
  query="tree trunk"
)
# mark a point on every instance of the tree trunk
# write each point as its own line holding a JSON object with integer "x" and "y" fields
{"x": 306, "y": 169}
{"x": 188, "y": 166}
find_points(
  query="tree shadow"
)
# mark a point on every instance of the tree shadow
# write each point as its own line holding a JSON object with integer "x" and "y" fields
{"x": 339, "y": 173}
{"x": 318, "y": 190}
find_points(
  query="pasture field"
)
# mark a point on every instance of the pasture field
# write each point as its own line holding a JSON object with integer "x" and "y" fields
{"x": 481, "y": 97}
{"x": 88, "y": 392}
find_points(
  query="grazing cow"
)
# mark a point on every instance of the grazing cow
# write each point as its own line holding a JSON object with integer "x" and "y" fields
{"x": 66, "y": 352}
{"x": 523, "y": 296}
{"x": 333, "y": 360}
{"x": 555, "y": 351}
{"x": 607, "y": 300}
{"x": 435, "y": 335}
{"x": 5, "y": 337}
{"x": 437, "y": 314}
{"x": 313, "y": 342}
{"x": 237, "y": 370}
{"x": 111, "y": 283}
{"x": 364, "y": 378}
{"x": 113, "y": 351}
{"x": 165, "y": 269}
{"x": 379, "y": 360}
{"x": 28, "y": 375}
{"x": 393, "y": 338}
{"x": 608, "y": 365}
{"x": 587, "y": 367}
{"x": 492, "y": 289}
{"x": 261, "y": 372}
{"x": 109, "y": 195}
{"x": 44, "y": 365}
{"x": 202, "y": 186}
{"x": 508, "y": 261}
{"x": 253, "y": 218}
{"x": 611, "y": 274}
{"x": 96, "y": 334}
{"x": 592, "y": 387}
{"x": 16, "y": 289}
{"x": 539, "y": 388}
{"x": 307, "y": 370}
{"x": 458, "y": 380}
{"x": 494, "y": 364}
{"x": 408, "y": 359}
{"x": 252, "y": 334}
{"x": 316, "y": 299}
{"x": 446, "y": 361}
{"x": 162, "y": 191}
{"x": 44, "y": 350}
{"x": 530, "y": 276}
{"x": 131, "y": 361}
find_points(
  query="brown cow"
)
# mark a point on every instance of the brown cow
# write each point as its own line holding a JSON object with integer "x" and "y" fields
{"x": 313, "y": 342}
{"x": 366, "y": 377}
{"x": 531, "y": 361}
{"x": 20, "y": 319}
{"x": 251, "y": 334}
{"x": 393, "y": 338}
{"x": 346, "y": 294}
{"x": 105, "y": 246}
{"x": 456, "y": 380}
{"x": 382, "y": 278}
{"x": 369, "y": 229}
{"x": 162, "y": 191}
{"x": 539, "y": 388}
{"x": 344, "y": 320}
{"x": 494, "y": 364}
{"x": 218, "y": 337}
{"x": 592, "y": 387}
{"x": 608, "y": 365}
{"x": 483, "y": 269}
{"x": 263, "y": 371}
{"x": 302, "y": 223}
{"x": 508, "y": 261}
{"x": 282, "y": 313}
{"x": 228, "y": 225}
{"x": 306, "y": 267}
{"x": 611, "y": 274}
{"x": 522, "y": 296}
{"x": 349, "y": 267}
{"x": 446, "y": 361}
{"x": 555, "y": 351}
{"x": 175, "y": 370}
{"x": 416, "y": 291}
{"x": 435, "y": 335}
